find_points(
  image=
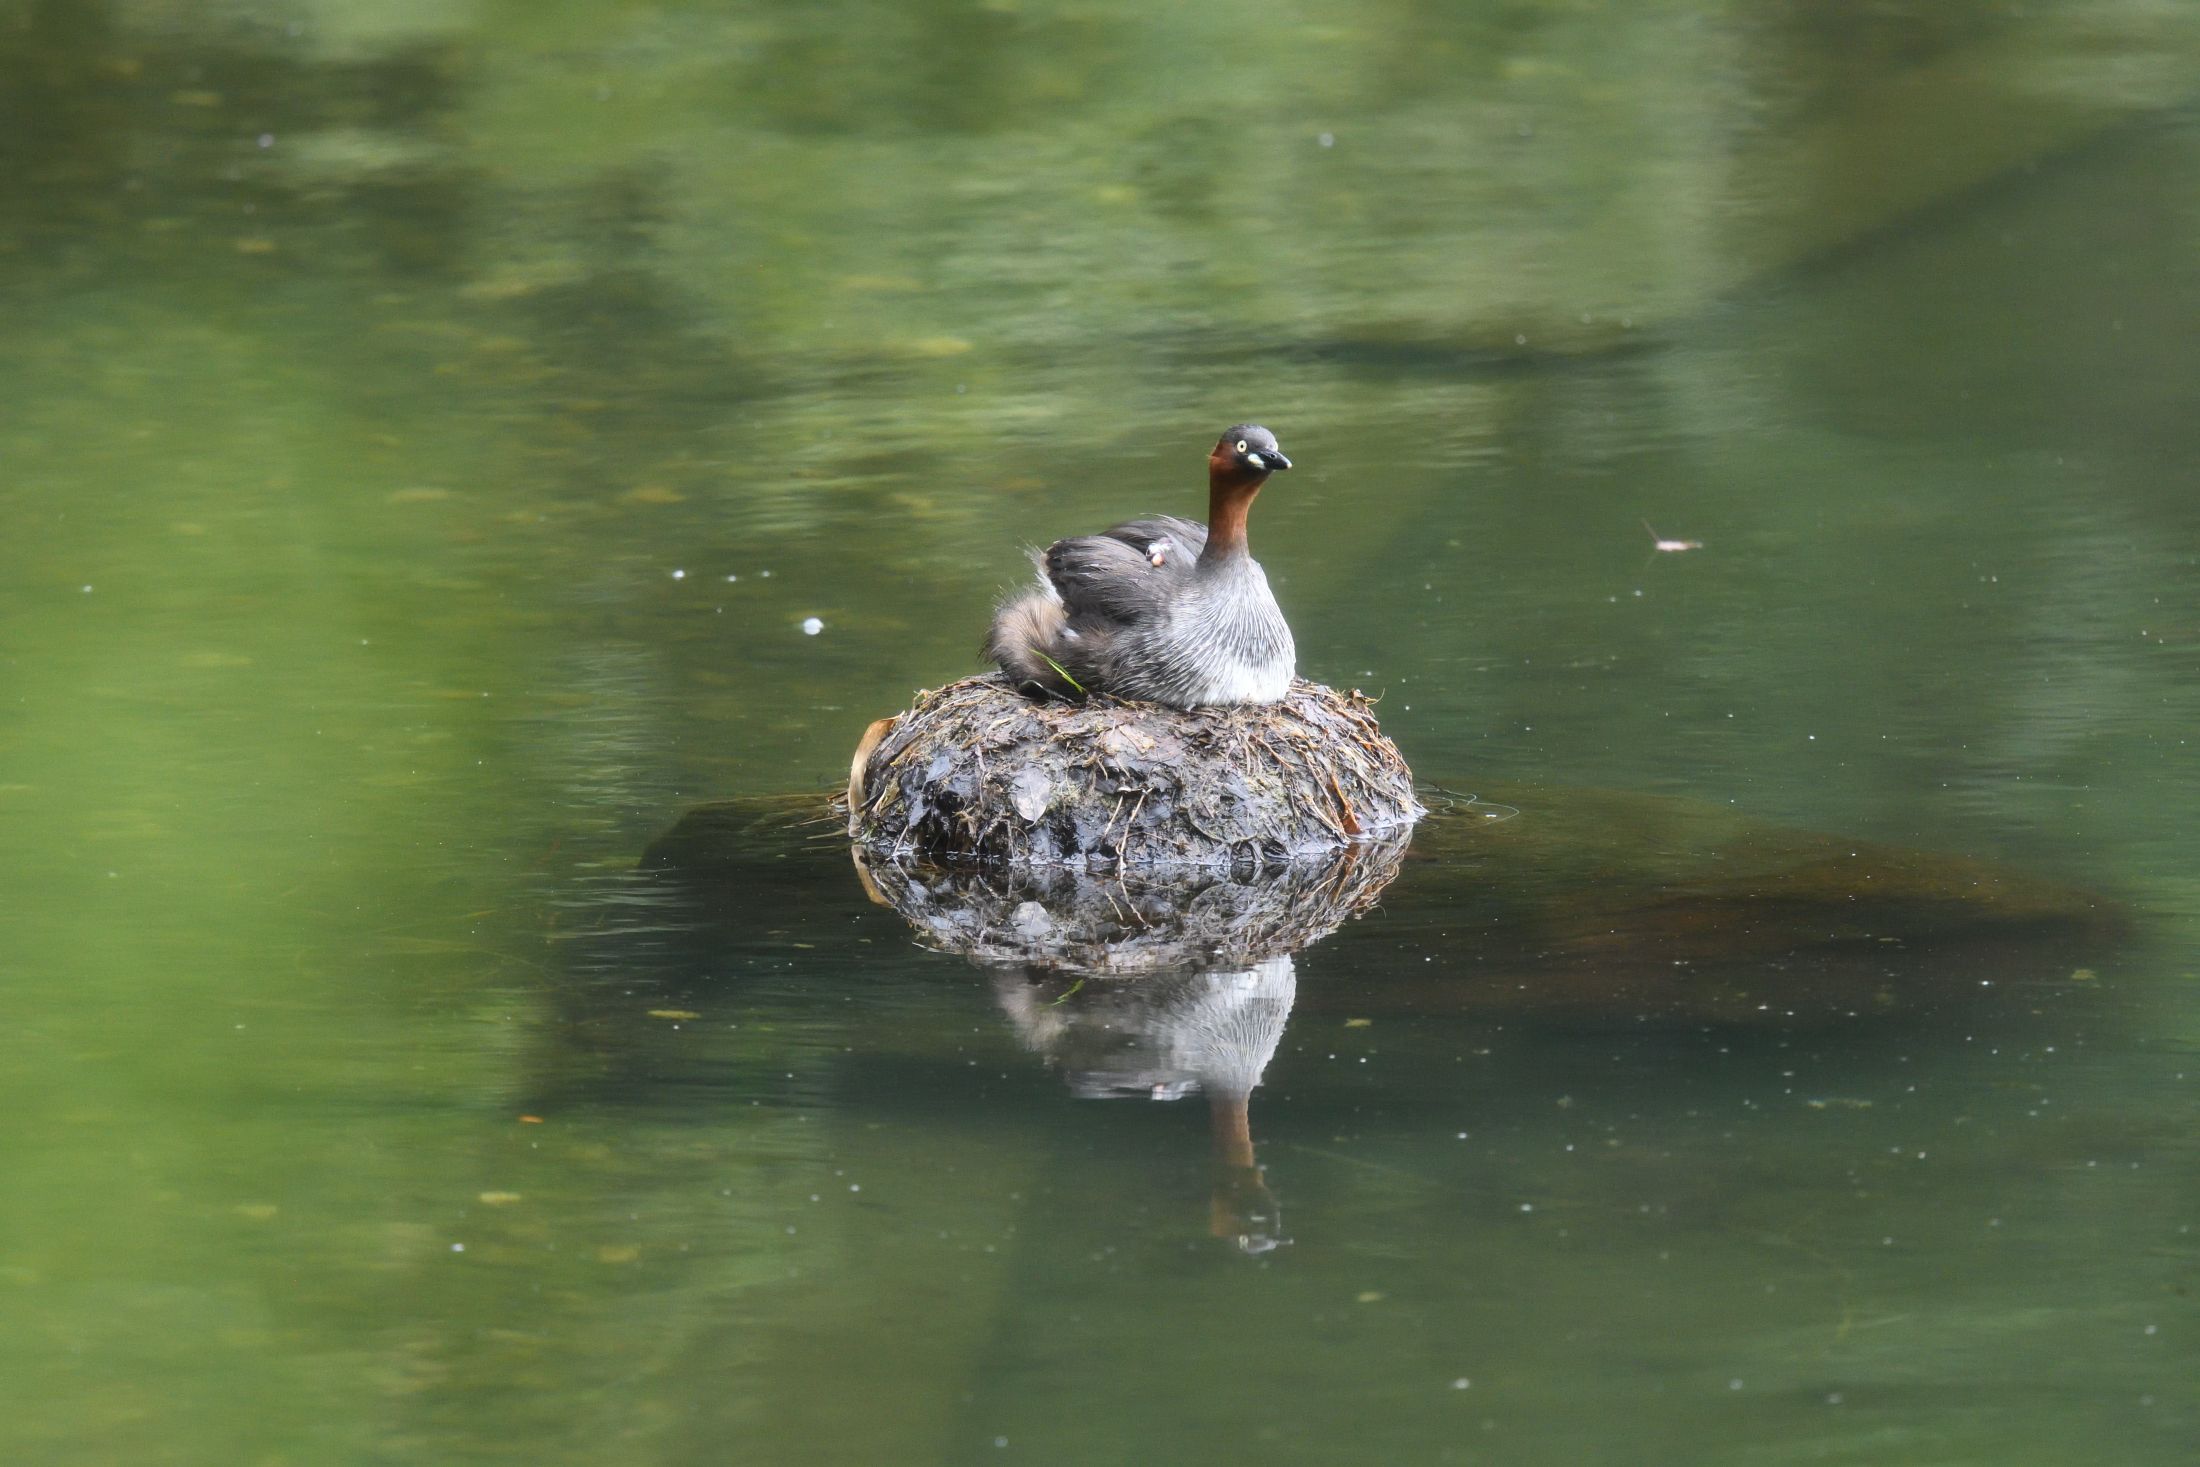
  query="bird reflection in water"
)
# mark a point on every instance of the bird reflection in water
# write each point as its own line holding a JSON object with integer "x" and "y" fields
{"x": 1158, "y": 985}
{"x": 1168, "y": 1037}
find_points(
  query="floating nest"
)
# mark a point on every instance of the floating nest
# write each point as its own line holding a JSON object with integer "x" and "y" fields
{"x": 976, "y": 773}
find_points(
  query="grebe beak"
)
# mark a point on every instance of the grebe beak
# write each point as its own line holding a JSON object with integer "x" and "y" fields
{"x": 1269, "y": 459}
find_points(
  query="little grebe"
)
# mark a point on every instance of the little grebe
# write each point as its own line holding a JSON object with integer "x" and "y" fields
{"x": 1161, "y": 609}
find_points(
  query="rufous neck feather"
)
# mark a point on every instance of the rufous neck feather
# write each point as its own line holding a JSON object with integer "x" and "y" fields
{"x": 1230, "y": 491}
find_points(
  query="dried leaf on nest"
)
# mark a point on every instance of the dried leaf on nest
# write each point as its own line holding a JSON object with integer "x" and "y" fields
{"x": 977, "y": 773}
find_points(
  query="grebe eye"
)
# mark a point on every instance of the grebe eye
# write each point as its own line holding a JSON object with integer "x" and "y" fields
{"x": 1241, "y": 445}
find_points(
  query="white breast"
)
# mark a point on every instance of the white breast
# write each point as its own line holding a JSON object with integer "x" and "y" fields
{"x": 1245, "y": 682}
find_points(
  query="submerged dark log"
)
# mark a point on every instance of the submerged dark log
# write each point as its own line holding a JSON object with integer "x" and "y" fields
{"x": 1553, "y": 912}
{"x": 976, "y": 773}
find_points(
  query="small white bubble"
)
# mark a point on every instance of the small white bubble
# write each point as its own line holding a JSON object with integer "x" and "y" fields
{"x": 267, "y": 140}
{"x": 87, "y": 590}
{"x": 1461, "y": 1383}
{"x": 1735, "y": 1384}
{"x": 458, "y": 1247}
{"x": 679, "y": 575}
{"x": 811, "y": 626}
{"x": 1327, "y": 140}
{"x": 731, "y": 579}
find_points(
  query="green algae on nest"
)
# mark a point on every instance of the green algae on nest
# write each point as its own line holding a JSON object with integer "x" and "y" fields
{"x": 976, "y": 773}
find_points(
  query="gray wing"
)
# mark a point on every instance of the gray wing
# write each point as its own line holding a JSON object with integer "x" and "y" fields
{"x": 1112, "y": 576}
{"x": 1190, "y": 537}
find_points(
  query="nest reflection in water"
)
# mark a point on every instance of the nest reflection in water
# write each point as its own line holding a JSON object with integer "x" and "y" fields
{"x": 1133, "y": 922}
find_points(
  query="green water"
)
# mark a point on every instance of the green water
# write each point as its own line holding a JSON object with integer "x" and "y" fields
{"x": 424, "y": 431}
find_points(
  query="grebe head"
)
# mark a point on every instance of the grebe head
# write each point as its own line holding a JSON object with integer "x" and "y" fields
{"x": 1246, "y": 454}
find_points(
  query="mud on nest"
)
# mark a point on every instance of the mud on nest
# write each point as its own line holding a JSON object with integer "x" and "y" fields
{"x": 977, "y": 773}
